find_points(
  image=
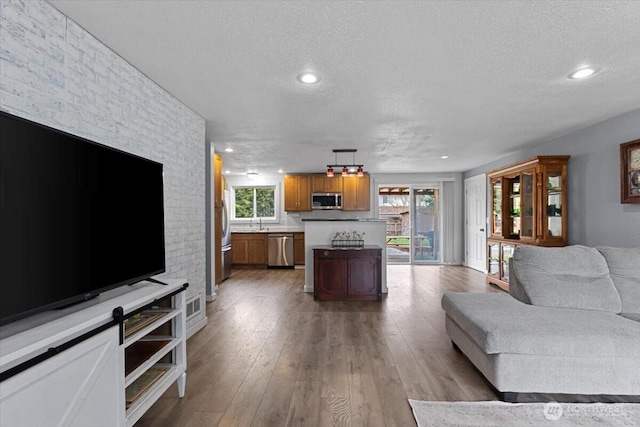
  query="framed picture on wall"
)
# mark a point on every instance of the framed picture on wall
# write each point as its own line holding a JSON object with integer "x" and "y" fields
{"x": 630, "y": 172}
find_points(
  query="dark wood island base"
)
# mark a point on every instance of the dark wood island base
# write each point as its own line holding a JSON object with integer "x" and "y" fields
{"x": 347, "y": 274}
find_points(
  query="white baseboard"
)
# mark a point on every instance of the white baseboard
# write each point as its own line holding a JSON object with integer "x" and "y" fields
{"x": 196, "y": 327}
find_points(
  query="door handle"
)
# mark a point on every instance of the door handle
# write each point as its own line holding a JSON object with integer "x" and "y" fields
{"x": 482, "y": 229}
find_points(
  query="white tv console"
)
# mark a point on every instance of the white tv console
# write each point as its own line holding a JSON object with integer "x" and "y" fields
{"x": 103, "y": 362}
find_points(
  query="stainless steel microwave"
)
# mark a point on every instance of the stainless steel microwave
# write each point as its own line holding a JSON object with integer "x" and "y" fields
{"x": 326, "y": 200}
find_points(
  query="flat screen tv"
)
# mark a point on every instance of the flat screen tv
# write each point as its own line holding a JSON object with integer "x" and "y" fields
{"x": 77, "y": 218}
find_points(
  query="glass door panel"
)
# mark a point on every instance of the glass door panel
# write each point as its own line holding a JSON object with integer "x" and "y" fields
{"x": 526, "y": 205}
{"x": 514, "y": 207}
{"x": 496, "y": 228}
{"x": 554, "y": 204}
{"x": 426, "y": 225}
{"x": 507, "y": 253}
{"x": 494, "y": 259}
{"x": 394, "y": 207}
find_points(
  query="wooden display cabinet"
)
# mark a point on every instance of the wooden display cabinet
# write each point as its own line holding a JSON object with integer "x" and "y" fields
{"x": 529, "y": 207}
{"x": 297, "y": 193}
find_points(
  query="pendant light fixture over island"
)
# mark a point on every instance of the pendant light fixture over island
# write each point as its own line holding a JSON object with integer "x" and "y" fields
{"x": 346, "y": 168}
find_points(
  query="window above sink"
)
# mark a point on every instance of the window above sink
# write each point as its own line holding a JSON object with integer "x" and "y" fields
{"x": 254, "y": 205}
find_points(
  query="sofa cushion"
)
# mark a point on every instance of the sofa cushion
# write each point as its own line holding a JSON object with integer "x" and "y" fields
{"x": 571, "y": 277}
{"x": 633, "y": 316}
{"x": 498, "y": 323}
{"x": 624, "y": 267}
{"x": 515, "y": 288}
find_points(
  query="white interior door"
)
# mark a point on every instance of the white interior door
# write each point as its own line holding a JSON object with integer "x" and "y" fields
{"x": 475, "y": 189}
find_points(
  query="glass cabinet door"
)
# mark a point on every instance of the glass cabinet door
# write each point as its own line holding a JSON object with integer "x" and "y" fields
{"x": 514, "y": 207}
{"x": 526, "y": 205}
{"x": 496, "y": 191}
{"x": 507, "y": 253}
{"x": 554, "y": 204}
{"x": 494, "y": 259}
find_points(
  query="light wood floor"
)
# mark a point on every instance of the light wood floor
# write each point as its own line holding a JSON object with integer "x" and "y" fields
{"x": 272, "y": 356}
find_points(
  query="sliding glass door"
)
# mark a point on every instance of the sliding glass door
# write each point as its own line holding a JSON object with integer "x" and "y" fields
{"x": 413, "y": 222}
{"x": 425, "y": 212}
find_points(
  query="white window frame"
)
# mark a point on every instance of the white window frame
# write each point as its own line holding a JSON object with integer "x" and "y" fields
{"x": 268, "y": 220}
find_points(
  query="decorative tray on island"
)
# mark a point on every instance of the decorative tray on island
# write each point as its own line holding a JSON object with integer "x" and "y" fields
{"x": 347, "y": 243}
{"x": 345, "y": 239}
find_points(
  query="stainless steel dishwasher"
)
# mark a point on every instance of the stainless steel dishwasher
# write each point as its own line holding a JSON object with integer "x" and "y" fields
{"x": 280, "y": 250}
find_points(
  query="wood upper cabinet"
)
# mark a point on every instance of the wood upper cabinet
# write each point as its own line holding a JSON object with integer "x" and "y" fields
{"x": 218, "y": 195}
{"x": 321, "y": 183}
{"x": 528, "y": 207}
{"x": 249, "y": 248}
{"x": 218, "y": 181}
{"x": 356, "y": 193}
{"x": 297, "y": 193}
{"x": 298, "y": 249}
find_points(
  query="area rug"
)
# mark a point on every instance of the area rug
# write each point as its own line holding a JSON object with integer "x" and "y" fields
{"x": 501, "y": 414}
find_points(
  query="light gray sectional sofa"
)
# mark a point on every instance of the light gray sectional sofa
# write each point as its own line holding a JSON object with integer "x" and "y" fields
{"x": 570, "y": 324}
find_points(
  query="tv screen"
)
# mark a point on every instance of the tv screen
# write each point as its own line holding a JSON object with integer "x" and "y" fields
{"x": 76, "y": 218}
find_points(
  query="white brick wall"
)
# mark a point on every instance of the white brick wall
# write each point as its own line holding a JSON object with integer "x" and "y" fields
{"x": 53, "y": 72}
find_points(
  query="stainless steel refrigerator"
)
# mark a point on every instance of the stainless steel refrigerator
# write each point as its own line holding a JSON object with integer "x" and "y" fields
{"x": 226, "y": 237}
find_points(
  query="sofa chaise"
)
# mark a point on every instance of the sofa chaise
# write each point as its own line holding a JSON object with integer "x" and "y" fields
{"x": 570, "y": 324}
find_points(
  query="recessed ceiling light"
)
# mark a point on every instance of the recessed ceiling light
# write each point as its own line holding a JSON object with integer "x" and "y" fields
{"x": 227, "y": 172}
{"x": 583, "y": 72}
{"x": 228, "y": 150}
{"x": 252, "y": 175}
{"x": 280, "y": 171}
{"x": 308, "y": 78}
{"x": 444, "y": 157}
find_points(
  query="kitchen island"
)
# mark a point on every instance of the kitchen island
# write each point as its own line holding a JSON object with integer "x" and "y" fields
{"x": 319, "y": 232}
{"x": 347, "y": 273}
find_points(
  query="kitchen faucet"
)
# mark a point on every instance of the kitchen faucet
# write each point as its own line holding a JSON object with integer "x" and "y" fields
{"x": 260, "y": 218}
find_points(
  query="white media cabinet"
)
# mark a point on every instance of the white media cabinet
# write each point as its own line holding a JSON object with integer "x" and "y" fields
{"x": 106, "y": 361}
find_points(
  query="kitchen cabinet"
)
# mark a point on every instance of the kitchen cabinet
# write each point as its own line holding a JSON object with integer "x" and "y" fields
{"x": 297, "y": 193}
{"x": 356, "y": 193}
{"x": 218, "y": 200}
{"x": 321, "y": 183}
{"x": 249, "y": 249}
{"x": 528, "y": 207}
{"x": 298, "y": 249}
{"x": 347, "y": 274}
{"x": 218, "y": 185}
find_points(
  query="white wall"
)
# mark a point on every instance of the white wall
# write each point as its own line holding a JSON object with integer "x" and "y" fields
{"x": 55, "y": 73}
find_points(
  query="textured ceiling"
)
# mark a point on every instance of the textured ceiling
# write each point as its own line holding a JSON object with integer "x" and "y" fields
{"x": 403, "y": 82}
